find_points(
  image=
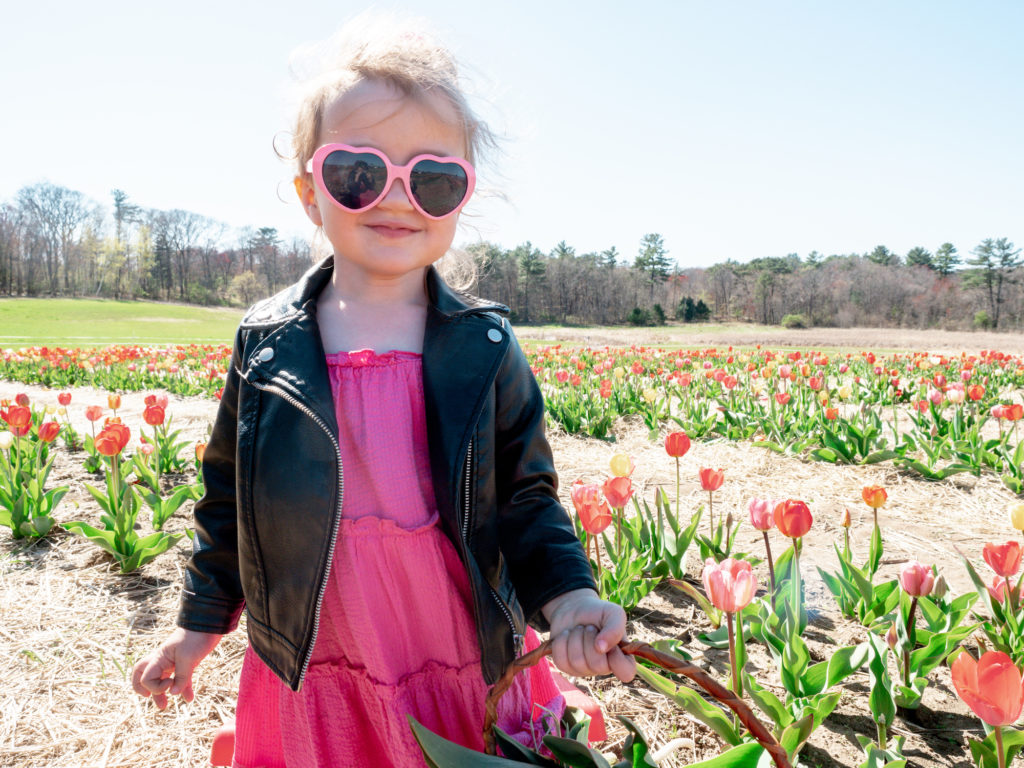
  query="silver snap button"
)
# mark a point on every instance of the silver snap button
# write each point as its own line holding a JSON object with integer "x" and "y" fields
{"x": 494, "y": 335}
{"x": 266, "y": 354}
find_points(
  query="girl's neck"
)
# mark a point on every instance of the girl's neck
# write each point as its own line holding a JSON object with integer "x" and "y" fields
{"x": 382, "y": 314}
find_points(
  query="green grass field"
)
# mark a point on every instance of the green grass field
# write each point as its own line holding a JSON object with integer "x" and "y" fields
{"x": 98, "y": 322}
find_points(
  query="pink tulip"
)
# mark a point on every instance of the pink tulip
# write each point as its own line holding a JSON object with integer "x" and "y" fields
{"x": 730, "y": 585}
{"x": 761, "y": 516}
{"x": 916, "y": 579}
{"x": 992, "y": 687}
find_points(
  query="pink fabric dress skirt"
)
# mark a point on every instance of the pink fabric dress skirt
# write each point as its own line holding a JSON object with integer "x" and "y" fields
{"x": 397, "y": 634}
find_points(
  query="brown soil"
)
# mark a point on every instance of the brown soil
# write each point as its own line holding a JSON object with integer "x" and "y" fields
{"x": 71, "y": 626}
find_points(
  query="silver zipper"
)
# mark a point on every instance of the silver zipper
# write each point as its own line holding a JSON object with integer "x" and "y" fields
{"x": 337, "y": 520}
{"x": 517, "y": 638}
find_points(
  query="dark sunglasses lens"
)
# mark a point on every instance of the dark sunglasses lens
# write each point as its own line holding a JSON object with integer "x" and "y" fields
{"x": 354, "y": 179}
{"x": 438, "y": 187}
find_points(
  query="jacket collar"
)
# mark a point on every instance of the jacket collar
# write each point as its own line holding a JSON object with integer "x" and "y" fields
{"x": 300, "y": 298}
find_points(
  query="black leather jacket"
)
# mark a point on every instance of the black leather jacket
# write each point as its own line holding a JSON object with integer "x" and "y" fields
{"x": 266, "y": 526}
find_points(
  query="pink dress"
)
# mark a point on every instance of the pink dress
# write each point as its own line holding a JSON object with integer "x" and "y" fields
{"x": 397, "y": 633}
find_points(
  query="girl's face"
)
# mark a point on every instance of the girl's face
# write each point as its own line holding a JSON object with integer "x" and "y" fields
{"x": 392, "y": 239}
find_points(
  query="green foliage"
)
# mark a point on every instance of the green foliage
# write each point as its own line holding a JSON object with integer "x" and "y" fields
{"x": 659, "y": 315}
{"x": 640, "y": 317}
{"x": 982, "y": 321}
{"x": 796, "y": 321}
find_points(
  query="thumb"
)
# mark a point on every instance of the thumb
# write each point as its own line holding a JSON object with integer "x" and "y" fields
{"x": 613, "y": 629}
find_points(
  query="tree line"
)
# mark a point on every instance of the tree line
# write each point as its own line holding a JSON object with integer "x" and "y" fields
{"x": 57, "y": 242}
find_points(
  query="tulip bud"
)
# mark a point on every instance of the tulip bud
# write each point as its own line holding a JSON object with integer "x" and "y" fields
{"x": 6, "y": 440}
{"x": 890, "y": 637}
{"x": 844, "y": 519}
{"x": 941, "y": 588}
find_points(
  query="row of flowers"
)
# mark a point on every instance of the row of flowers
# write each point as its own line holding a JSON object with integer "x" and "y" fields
{"x": 27, "y": 506}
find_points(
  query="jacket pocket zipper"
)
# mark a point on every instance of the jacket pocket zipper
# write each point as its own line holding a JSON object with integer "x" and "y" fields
{"x": 517, "y": 639}
{"x": 337, "y": 518}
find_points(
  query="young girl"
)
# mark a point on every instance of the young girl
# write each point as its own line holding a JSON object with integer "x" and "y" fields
{"x": 380, "y": 497}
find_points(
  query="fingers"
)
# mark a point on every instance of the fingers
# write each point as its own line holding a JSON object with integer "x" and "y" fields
{"x": 613, "y": 628}
{"x": 574, "y": 651}
{"x": 159, "y": 675}
{"x": 622, "y": 666}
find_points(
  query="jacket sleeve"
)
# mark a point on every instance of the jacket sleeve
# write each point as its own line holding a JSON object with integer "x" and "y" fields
{"x": 211, "y": 600}
{"x": 538, "y": 541}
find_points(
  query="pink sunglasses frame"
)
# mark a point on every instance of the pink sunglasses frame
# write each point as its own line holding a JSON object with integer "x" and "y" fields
{"x": 315, "y": 165}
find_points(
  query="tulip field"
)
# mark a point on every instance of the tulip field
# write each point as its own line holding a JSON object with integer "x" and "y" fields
{"x": 819, "y": 551}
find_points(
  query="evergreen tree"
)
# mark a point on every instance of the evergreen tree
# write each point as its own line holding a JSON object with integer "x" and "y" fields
{"x": 920, "y": 257}
{"x": 653, "y": 259}
{"x": 946, "y": 259}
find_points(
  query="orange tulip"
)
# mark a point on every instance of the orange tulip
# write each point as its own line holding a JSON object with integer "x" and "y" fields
{"x": 730, "y": 584}
{"x": 1004, "y": 559}
{"x": 618, "y": 491}
{"x": 991, "y": 687}
{"x": 593, "y": 511}
{"x": 711, "y": 479}
{"x": 677, "y": 444}
{"x": 153, "y": 415}
{"x": 793, "y": 518}
{"x": 874, "y": 496}
{"x": 114, "y": 402}
{"x": 200, "y": 452}
{"x": 18, "y": 418}
{"x": 48, "y": 431}
{"x": 112, "y": 439}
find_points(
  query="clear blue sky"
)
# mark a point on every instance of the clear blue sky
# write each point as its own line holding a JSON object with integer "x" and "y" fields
{"x": 734, "y": 129}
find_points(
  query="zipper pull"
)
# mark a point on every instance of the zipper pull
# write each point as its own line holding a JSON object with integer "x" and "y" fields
{"x": 519, "y": 641}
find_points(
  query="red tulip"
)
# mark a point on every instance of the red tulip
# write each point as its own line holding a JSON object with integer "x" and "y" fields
{"x": 48, "y": 431}
{"x": 916, "y": 579}
{"x": 21, "y": 399}
{"x": 831, "y": 414}
{"x": 64, "y": 398}
{"x": 711, "y": 479}
{"x": 153, "y": 415}
{"x": 160, "y": 400}
{"x": 618, "y": 491}
{"x": 112, "y": 439}
{"x": 730, "y": 584}
{"x": 976, "y": 392}
{"x": 94, "y": 413}
{"x": 991, "y": 687}
{"x": 761, "y": 514}
{"x": 592, "y": 509}
{"x": 874, "y": 496}
{"x": 793, "y": 518}
{"x": 782, "y": 397}
{"x": 677, "y": 444}
{"x": 1004, "y": 559}
{"x": 1015, "y": 412}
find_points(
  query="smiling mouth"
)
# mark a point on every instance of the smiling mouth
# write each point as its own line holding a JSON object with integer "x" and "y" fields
{"x": 392, "y": 230}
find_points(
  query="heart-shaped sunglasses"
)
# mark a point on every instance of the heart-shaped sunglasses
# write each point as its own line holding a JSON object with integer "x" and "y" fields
{"x": 357, "y": 178}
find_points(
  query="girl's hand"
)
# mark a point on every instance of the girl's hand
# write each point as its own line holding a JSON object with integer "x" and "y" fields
{"x": 585, "y": 634}
{"x": 168, "y": 670}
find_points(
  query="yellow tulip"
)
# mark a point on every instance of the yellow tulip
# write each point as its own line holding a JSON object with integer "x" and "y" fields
{"x": 845, "y": 391}
{"x": 621, "y": 465}
{"x": 619, "y": 373}
{"x": 650, "y": 395}
{"x": 6, "y": 440}
{"x": 1017, "y": 516}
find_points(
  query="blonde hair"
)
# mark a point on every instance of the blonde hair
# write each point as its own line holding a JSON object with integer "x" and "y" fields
{"x": 400, "y": 51}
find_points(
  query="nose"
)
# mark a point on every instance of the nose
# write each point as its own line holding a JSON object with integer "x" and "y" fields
{"x": 397, "y": 196}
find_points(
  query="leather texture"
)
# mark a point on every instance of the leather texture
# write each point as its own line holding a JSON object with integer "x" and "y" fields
{"x": 274, "y": 482}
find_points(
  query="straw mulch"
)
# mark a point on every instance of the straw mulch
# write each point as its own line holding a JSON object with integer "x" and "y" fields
{"x": 71, "y": 626}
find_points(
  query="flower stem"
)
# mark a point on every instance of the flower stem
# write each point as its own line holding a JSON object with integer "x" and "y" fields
{"x": 1000, "y": 754}
{"x": 771, "y": 567}
{"x": 910, "y": 642}
{"x": 711, "y": 514}
{"x": 737, "y": 686}
{"x": 881, "y": 734}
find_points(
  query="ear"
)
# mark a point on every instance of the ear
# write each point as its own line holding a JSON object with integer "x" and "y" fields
{"x": 307, "y": 196}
